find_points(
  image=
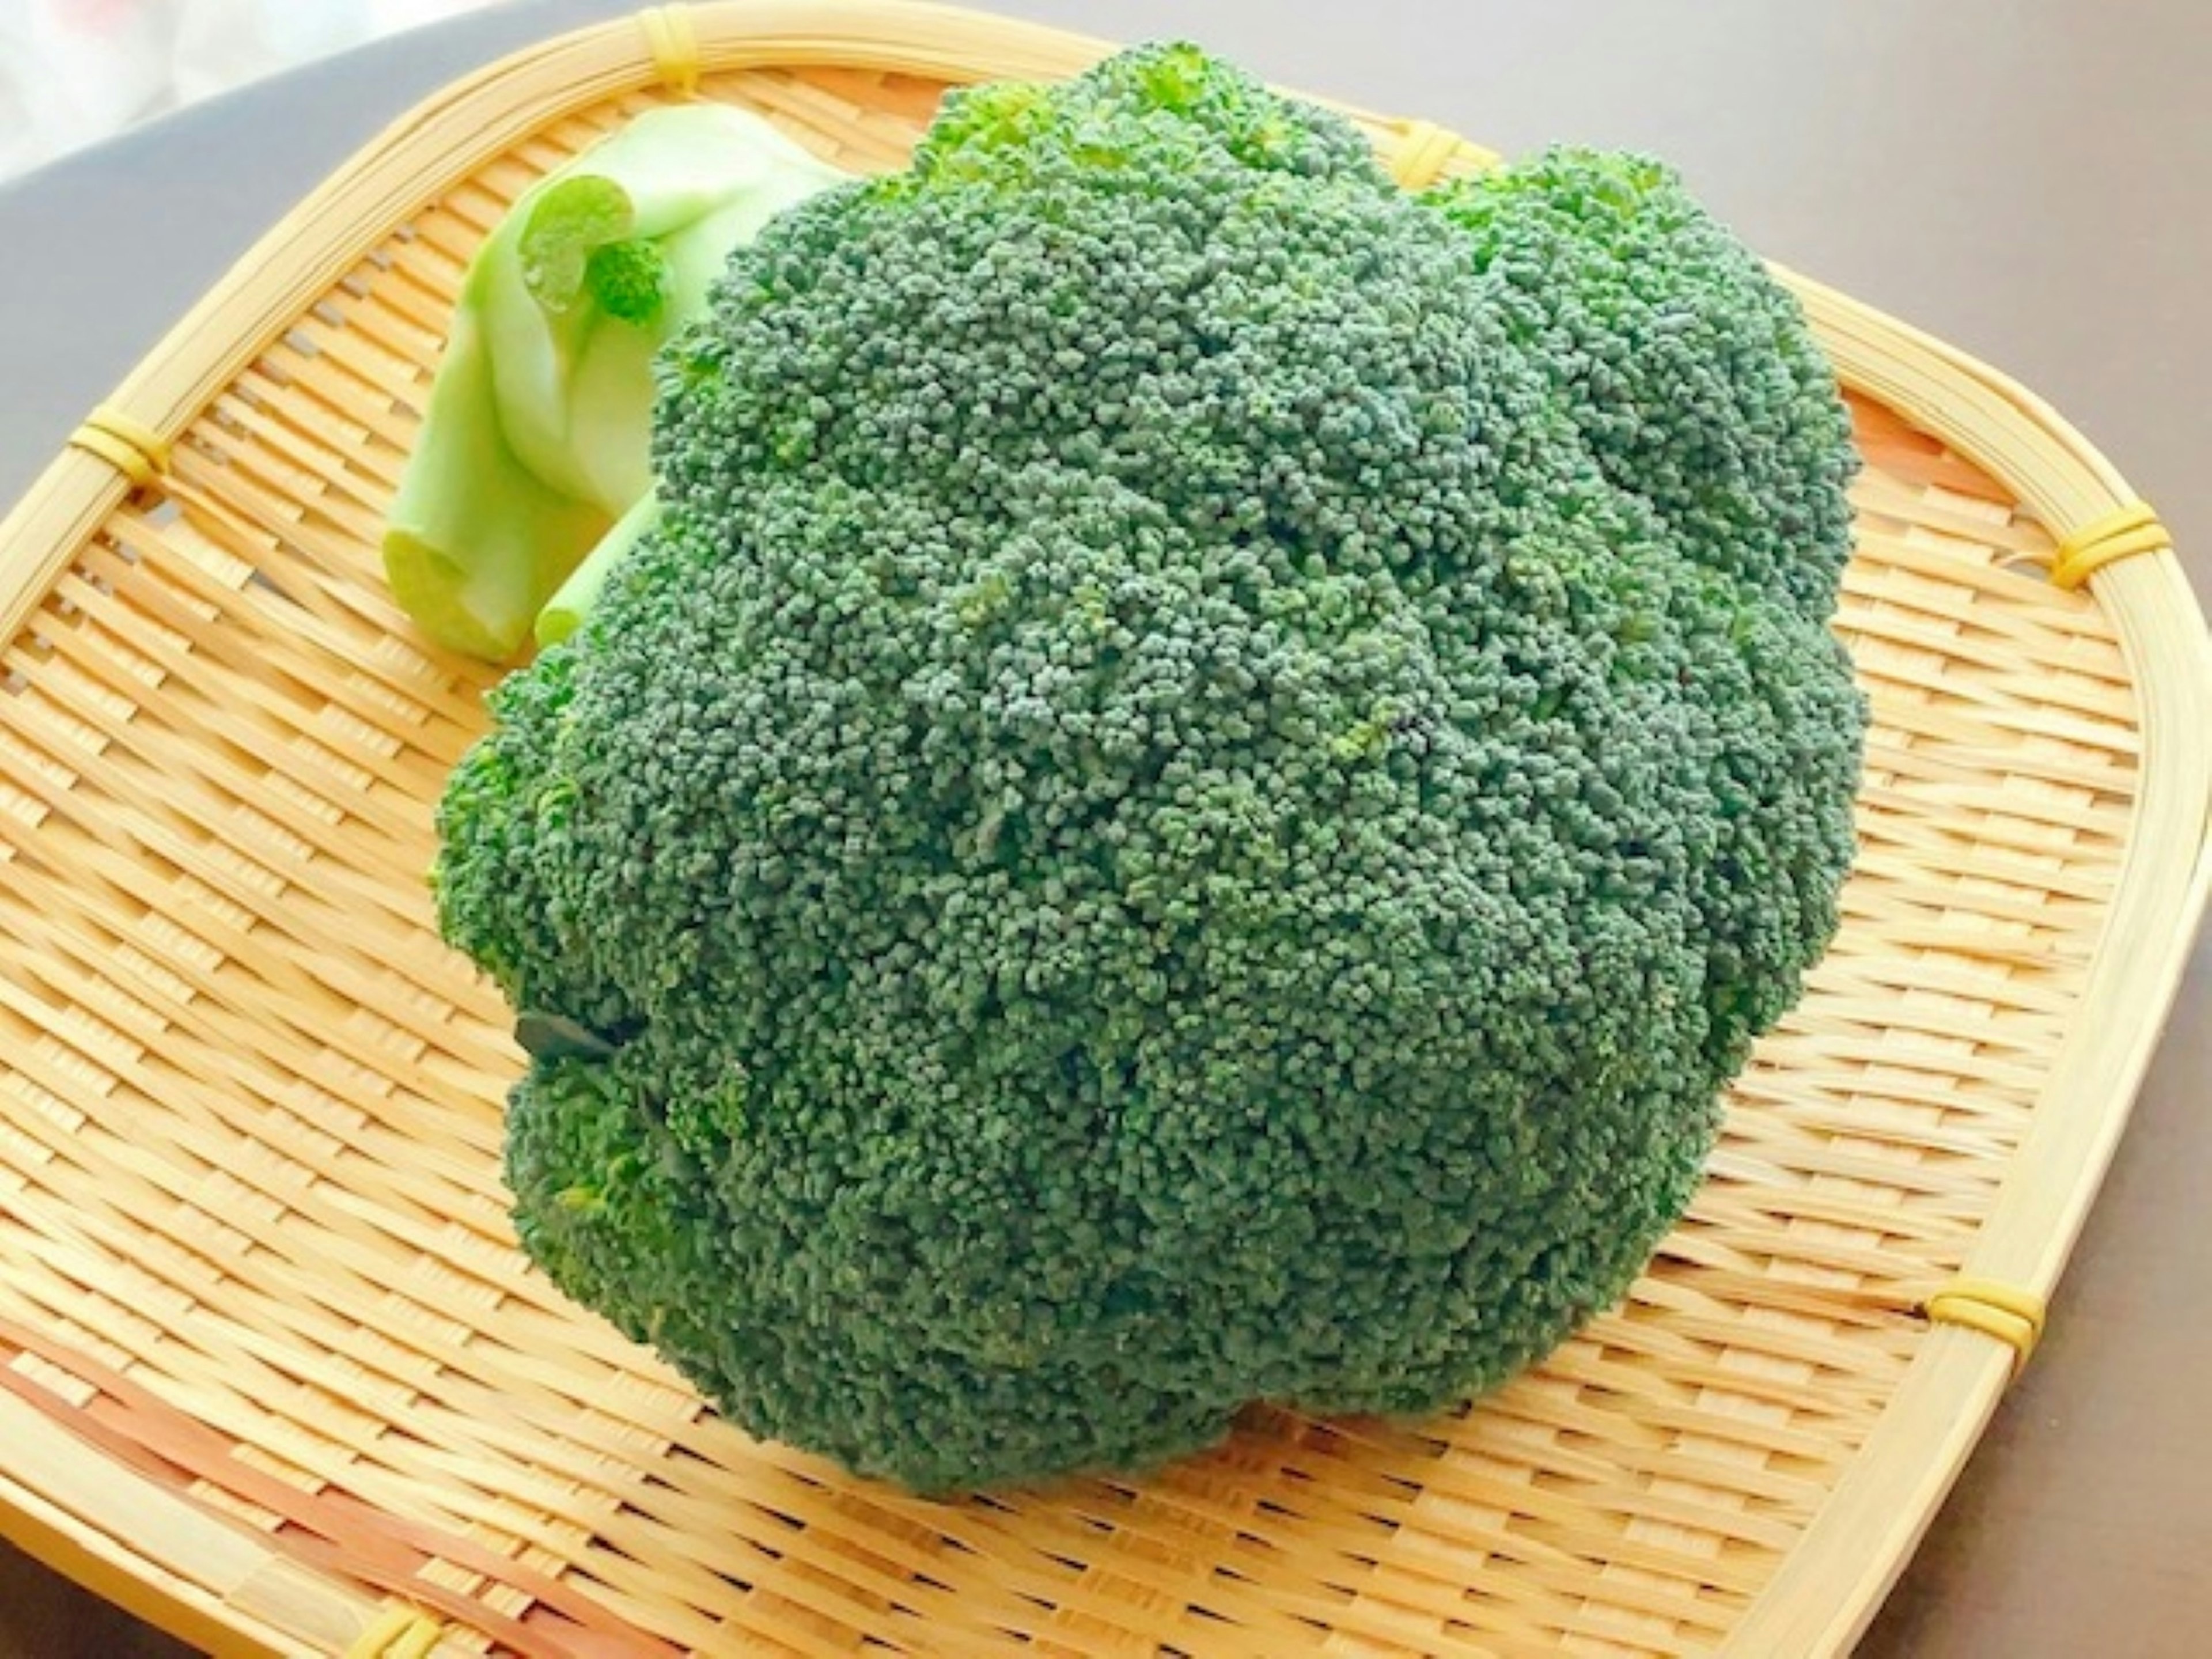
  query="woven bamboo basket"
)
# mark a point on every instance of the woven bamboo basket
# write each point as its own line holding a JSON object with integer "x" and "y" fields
{"x": 273, "y": 1373}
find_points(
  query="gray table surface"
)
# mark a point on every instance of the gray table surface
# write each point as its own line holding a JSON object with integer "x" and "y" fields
{"x": 2028, "y": 181}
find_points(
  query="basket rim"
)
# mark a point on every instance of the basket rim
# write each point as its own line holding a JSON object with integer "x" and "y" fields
{"x": 205, "y": 1592}
{"x": 215, "y": 1583}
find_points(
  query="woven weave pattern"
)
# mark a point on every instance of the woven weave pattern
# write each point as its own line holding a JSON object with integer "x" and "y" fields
{"x": 254, "y": 1243}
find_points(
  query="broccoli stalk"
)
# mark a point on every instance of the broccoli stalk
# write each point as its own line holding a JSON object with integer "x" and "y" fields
{"x": 534, "y": 440}
{"x": 564, "y": 613}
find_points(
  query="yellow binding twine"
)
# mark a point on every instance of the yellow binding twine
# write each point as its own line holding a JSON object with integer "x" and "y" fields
{"x": 2119, "y": 534}
{"x": 135, "y": 450}
{"x": 399, "y": 1633}
{"x": 1426, "y": 151}
{"x": 674, "y": 46}
{"x": 2013, "y": 1315}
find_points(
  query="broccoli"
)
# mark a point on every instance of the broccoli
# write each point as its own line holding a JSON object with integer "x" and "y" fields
{"x": 1207, "y": 771}
{"x": 533, "y": 445}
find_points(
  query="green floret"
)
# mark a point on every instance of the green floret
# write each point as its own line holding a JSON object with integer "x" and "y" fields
{"x": 489, "y": 902}
{"x": 1193, "y": 797}
{"x": 1687, "y": 370}
{"x": 1693, "y": 383}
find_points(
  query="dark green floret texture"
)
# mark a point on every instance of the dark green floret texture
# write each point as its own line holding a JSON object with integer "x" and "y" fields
{"x": 1212, "y": 768}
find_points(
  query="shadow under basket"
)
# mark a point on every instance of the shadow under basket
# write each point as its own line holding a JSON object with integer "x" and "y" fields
{"x": 274, "y": 1375}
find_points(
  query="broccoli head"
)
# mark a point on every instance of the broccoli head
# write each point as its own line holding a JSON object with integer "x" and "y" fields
{"x": 1208, "y": 770}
